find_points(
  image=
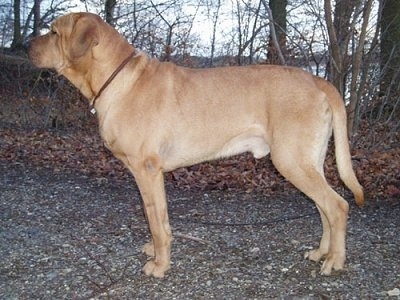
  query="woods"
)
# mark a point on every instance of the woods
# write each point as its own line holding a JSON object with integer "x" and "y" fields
{"x": 354, "y": 44}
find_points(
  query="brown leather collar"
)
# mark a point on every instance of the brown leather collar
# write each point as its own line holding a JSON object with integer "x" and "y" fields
{"x": 111, "y": 78}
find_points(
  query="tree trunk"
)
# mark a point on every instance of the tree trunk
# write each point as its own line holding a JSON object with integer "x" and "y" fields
{"x": 109, "y": 6}
{"x": 276, "y": 11}
{"x": 340, "y": 31}
{"x": 355, "y": 85}
{"x": 17, "y": 37}
{"x": 214, "y": 31}
{"x": 36, "y": 18}
{"x": 390, "y": 48}
{"x": 277, "y": 49}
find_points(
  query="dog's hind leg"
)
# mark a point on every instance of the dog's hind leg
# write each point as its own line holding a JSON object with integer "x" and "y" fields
{"x": 305, "y": 173}
{"x": 150, "y": 180}
{"x": 317, "y": 254}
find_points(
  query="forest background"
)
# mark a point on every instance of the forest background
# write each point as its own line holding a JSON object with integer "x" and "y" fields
{"x": 355, "y": 44}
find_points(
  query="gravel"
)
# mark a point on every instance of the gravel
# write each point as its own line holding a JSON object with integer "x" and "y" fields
{"x": 70, "y": 236}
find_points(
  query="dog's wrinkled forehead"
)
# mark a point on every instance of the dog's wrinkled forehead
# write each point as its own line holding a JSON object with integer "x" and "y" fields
{"x": 76, "y": 33}
{"x": 64, "y": 24}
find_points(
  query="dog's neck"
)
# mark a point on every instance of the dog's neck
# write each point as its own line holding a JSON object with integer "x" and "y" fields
{"x": 109, "y": 80}
{"x": 93, "y": 77}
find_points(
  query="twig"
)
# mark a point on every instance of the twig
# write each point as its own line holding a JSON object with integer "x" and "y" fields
{"x": 189, "y": 237}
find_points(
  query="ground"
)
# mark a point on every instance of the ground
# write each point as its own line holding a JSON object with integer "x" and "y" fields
{"x": 67, "y": 235}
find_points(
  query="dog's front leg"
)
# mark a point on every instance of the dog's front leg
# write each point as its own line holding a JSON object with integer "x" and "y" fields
{"x": 150, "y": 180}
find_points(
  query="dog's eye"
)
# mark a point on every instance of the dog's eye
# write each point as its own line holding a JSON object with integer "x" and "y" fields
{"x": 53, "y": 31}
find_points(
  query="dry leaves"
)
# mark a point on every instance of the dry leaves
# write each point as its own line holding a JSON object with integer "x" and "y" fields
{"x": 377, "y": 170}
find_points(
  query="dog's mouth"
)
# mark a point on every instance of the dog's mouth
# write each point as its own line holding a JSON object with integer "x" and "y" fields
{"x": 33, "y": 57}
{"x": 40, "y": 54}
{"x": 33, "y": 53}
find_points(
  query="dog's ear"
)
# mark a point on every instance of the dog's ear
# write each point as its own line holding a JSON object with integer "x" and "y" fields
{"x": 84, "y": 36}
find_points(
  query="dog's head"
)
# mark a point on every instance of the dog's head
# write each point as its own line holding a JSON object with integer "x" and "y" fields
{"x": 69, "y": 42}
{"x": 83, "y": 48}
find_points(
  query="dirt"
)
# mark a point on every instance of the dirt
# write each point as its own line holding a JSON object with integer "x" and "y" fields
{"x": 67, "y": 235}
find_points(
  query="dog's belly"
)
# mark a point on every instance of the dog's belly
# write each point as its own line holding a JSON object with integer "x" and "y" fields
{"x": 187, "y": 152}
{"x": 245, "y": 143}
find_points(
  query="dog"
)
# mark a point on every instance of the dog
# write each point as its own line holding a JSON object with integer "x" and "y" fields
{"x": 155, "y": 117}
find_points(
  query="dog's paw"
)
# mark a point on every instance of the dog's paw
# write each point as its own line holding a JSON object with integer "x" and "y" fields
{"x": 156, "y": 269}
{"x": 148, "y": 248}
{"x": 332, "y": 261}
{"x": 314, "y": 255}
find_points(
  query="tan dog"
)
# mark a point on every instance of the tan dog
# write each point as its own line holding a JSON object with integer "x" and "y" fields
{"x": 156, "y": 117}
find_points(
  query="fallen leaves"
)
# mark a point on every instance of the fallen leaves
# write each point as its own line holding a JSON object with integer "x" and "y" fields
{"x": 60, "y": 152}
{"x": 80, "y": 151}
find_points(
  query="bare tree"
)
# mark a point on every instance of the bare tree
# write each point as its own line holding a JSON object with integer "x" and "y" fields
{"x": 256, "y": 29}
{"x": 178, "y": 26}
{"x": 340, "y": 30}
{"x": 109, "y": 7}
{"x": 215, "y": 17}
{"x": 17, "y": 37}
{"x": 353, "y": 117}
{"x": 277, "y": 15}
{"x": 36, "y": 18}
{"x": 168, "y": 48}
{"x": 390, "y": 54}
{"x": 343, "y": 33}
{"x": 250, "y": 23}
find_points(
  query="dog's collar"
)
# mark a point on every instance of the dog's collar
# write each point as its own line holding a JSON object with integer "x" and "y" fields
{"x": 111, "y": 78}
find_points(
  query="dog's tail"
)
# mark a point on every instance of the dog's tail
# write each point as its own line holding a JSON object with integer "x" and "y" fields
{"x": 342, "y": 148}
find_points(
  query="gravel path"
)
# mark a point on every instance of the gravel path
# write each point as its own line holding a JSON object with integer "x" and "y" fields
{"x": 67, "y": 236}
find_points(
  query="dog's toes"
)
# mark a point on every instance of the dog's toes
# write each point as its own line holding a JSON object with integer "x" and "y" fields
{"x": 331, "y": 262}
{"x": 148, "y": 248}
{"x": 152, "y": 268}
{"x": 314, "y": 255}
{"x": 335, "y": 262}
